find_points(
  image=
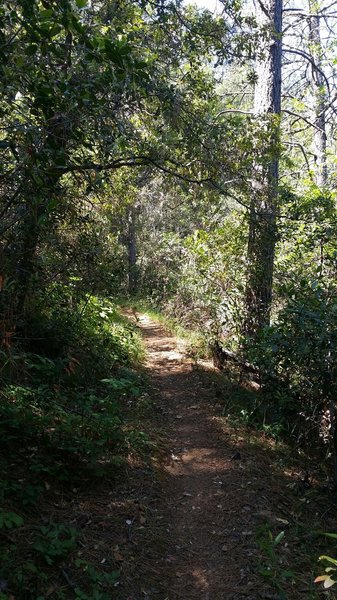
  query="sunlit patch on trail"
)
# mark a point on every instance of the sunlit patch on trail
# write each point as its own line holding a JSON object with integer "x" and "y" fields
{"x": 219, "y": 486}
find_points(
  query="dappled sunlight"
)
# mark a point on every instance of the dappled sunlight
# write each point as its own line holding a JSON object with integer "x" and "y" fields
{"x": 168, "y": 197}
{"x": 221, "y": 485}
{"x": 210, "y": 499}
{"x": 196, "y": 460}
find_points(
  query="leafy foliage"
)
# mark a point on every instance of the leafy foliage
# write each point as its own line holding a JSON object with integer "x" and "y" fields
{"x": 131, "y": 163}
{"x": 64, "y": 421}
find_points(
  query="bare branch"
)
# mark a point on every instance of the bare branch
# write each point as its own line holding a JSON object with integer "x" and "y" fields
{"x": 233, "y": 111}
{"x": 311, "y": 60}
{"x": 290, "y": 112}
{"x": 297, "y": 144}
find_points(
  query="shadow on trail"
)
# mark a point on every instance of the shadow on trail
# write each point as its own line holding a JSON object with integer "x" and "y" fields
{"x": 226, "y": 493}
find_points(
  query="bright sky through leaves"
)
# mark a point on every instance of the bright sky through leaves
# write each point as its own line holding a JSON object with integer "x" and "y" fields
{"x": 213, "y": 5}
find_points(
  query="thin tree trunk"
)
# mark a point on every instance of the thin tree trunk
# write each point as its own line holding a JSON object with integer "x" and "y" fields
{"x": 319, "y": 103}
{"x": 264, "y": 202}
{"x": 132, "y": 251}
{"x": 318, "y": 86}
{"x": 26, "y": 264}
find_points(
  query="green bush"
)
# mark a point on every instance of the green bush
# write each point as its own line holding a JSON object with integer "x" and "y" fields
{"x": 66, "y": 390}
{"x": 298, "y": 359}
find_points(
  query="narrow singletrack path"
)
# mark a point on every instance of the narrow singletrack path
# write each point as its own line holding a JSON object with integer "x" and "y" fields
{"x": 211, "y": 493}
{"x": 229, "y": 515}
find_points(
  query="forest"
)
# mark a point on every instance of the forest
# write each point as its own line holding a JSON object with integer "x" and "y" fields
{"x": 168, "y": 306}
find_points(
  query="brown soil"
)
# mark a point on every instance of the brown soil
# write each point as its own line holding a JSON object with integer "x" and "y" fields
{"x": 194, "y": 511}
{"x": 222, "y": 498}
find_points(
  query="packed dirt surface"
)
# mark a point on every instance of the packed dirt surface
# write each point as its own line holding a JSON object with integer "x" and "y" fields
{"x": 208, "y": 504}
{"x": 217, "y": 492}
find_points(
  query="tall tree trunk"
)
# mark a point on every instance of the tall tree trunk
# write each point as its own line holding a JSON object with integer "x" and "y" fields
{"x": 319, "y": 92}
{"x": 319, "y": 104}
{"x": 264, "y": 202}
{"x": 36, "y": 205}
{"x": 132, "y": 251}
{"x": 54, "y": 147}
{"x": 26, "y": 265}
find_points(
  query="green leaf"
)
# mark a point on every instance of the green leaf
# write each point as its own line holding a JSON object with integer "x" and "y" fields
{"x": 328, "y": 559}
{"x": 81, "y": 3}
{"x": 279, "y": 538}
{"x": 31, "y": 50}
{"x": 16, "y": 519}
{"x": 20, "y": 61}
{"x": 46, "y": 14}
{"x": 10, "y": 520}
{"x": 55, "y": 30}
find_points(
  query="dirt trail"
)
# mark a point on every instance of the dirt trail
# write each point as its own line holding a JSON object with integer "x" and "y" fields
{"x": 229, "y": 515}
{"x": 212, "y": 497}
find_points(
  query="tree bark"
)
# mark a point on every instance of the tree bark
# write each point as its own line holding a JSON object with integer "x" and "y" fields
{"x": 264, "y": 202}
{"x": 132, "y": 251}
{"x": 36, "y": 202}
{"x": 318, "y": 86}
{"x": 57, "y": 130}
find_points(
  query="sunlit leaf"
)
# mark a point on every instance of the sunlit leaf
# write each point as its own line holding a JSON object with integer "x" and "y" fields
{"x": 328, "y": 559}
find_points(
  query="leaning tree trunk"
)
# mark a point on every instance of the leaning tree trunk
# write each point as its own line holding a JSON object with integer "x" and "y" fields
{"x": 319, "y": 91}
{"x": 264, "y": 202}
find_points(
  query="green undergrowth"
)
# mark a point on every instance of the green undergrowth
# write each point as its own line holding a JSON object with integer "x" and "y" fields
{"x": 70, "y": 418}
{"x": 300, "y": 506}
{"x": 291, "y": 548}
{"x": 288, "y": 556}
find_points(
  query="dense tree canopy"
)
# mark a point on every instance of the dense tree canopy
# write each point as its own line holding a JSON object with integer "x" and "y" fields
{"x": 135, "y": 158}
{"x": 157, "y": 151}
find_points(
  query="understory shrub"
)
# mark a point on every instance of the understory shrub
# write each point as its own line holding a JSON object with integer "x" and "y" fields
{"x": 66, "y": 390}
{"x": 298, "y": 359}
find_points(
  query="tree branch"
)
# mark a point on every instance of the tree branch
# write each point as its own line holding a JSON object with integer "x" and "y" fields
{"x": 298, "y": 116}
{"x": 311, "y": 60}
{"x": 294, "y": 144}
